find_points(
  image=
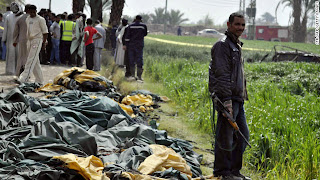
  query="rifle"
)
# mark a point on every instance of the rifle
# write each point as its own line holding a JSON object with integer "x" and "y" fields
{"x": 221, "y": 108}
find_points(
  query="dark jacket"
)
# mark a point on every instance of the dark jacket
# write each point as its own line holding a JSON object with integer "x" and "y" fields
{"x": 226, "y": 75}
{"x": 135, "y": 35}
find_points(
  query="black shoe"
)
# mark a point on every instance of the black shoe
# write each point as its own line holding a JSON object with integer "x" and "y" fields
{"x": 230, "y": 177}
{"x": 242, "y": 176}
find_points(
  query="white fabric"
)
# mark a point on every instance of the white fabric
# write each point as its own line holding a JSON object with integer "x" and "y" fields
{"x": 97, "y": 59}
{"x": 38, "y": 28}
{"x": 77, "y": 38}
{"x": 120, "y": 53}
{"x": 33, "y": 62}
{"x": 12, "y": 52}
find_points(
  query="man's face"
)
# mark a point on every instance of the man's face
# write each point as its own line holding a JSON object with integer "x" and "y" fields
{"x": 58, "y": 19}
{"x": 33, "y": 13}
{"x": 237, "y": 26}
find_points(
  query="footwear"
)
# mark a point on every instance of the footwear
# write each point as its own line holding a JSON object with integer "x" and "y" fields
{"x": 131, "y": 78}
{"x": 242, "y": 176}
{"x": 230, "y": 177}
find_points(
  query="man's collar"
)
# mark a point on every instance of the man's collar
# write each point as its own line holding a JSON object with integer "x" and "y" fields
{"x": 233, "y": 38}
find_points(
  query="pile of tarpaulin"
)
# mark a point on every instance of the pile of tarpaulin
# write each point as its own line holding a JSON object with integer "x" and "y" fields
{"x": 88, "y": 135}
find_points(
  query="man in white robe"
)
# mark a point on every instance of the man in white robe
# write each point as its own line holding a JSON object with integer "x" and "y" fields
{"x": 11, "y": 52}
{"x": 20, "y": 40}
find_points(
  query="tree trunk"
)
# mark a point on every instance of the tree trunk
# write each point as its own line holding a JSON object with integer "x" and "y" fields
{"x": 78, "y": 5}
{"x": 116, "y": 11}
{"x": 96, "y": 10}
{"x": 298, "y": 35}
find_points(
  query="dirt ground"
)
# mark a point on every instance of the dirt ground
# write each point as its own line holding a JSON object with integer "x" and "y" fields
{"x": 49, "y": 72}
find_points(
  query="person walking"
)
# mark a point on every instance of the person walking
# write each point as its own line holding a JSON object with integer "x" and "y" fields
{"x": 227, "y": 81}
{"x": 55, "y": 39}
{"x": 120, "y": 53}
{"x": 9, "y": 25}
{"x": 98, "y": 46}
{"x": 37, "y": 36}
{"x": 20, "y": 39}
{"x": 134, "y": 41}
{"x": 89, "y": 31}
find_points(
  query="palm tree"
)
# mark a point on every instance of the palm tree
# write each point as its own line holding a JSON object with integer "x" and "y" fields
{"x": 116, "y": 11}
{"x": 301, "y": 8}
{"x": 159, "y": 16}
{"x": 78, "y": 5}
{"x": 175, "y": 17}
{"x": 96, "y": 9}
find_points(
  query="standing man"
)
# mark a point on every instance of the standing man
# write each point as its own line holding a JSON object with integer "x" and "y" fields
{"x": 89, "y": 31}
{"x": 135, "y": 42}
{"x": 20, "y": 39}
{"x": 1, "y": 32}
{"x": 227, "y": 81}
{"x": 98, "y": 46}
{"x": 4, "y": 47}
{"x": 66, "y": 29}
{"x": 179, "y": 31}
{"x": 77, "y": 44}
{"x": 37, "y": 36}
{"x": 12, "y": 52}
{"x": 55, "y": 39}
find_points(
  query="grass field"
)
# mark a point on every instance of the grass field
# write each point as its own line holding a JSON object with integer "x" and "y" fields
{"x": 282, "y": 112}
{"x": 267, "y": 45}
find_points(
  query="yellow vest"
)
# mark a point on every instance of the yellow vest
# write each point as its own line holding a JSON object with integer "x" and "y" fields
{"x": 67, "y": 30}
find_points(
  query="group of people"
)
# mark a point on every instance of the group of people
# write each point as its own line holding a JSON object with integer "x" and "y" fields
{"x": 30, "y": 38}
{"x": 129, "y": 47}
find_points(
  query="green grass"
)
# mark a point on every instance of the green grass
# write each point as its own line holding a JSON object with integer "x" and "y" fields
{"x": 282, "y": 112}
{"x": 267, "y": 45}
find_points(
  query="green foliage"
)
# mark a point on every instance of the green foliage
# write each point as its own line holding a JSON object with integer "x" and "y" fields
{"x": 282, "y": 112}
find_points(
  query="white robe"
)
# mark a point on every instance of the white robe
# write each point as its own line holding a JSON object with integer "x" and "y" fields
{"x": 120, "y": 53}
{"x": 12, "y": 52}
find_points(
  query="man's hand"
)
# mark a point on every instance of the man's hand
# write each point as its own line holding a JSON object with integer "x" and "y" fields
{"x": 44, "y": 44}
{"x": 124, "y": 47}
{"x": 228, "y": 105}
{"x": 15, "y": 44}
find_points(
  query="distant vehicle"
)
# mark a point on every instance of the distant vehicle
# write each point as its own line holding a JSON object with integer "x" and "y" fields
{"x": 210, "y": 33}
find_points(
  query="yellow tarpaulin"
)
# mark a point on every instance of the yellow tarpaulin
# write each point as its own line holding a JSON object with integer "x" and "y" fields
{"x": 90, "y": 168}
{"x": 163, "y": 158}
{"x": 138, "y": 100}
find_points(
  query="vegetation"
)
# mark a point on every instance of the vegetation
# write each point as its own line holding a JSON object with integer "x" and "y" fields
{"x": 282, "y": 112}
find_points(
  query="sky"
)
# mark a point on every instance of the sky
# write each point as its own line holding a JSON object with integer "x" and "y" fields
{"x": 194, "y": 10}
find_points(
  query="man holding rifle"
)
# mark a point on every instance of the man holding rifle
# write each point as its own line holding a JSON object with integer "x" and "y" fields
{"x": 227, "y": 84}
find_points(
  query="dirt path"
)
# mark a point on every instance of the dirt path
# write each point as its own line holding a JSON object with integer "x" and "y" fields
{"x": 7, "y": 81}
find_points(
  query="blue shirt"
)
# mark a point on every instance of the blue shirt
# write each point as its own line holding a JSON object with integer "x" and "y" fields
{"x": 135, "y": 34}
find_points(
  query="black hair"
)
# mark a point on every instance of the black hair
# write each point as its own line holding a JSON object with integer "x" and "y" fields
{"x": 70, "y": 16}
{"x": 124, "y": 22}
{"x": 1, "y": 15}
{"x": 8, "y": 8}
{"x": 26, "y": 7}
{"x": 53, "y": 14}
{"x": 62, "y": 16}
{"x": 97, "y": 22}
{"x": 89, "y": 21}
{"x": 32, "y": 7}
{"x": 231, "y": 17}
{"x": 84, "y": 17}
{"x": 138, "y": 17}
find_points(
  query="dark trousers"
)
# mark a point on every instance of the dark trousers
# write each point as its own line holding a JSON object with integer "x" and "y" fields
{"x": 89, "y": 56}
{"x": 127, "y": 64}
{"x": 229, "y": 145}
{"x": 65, "y": 55}
{"x": 135, "y": 56}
